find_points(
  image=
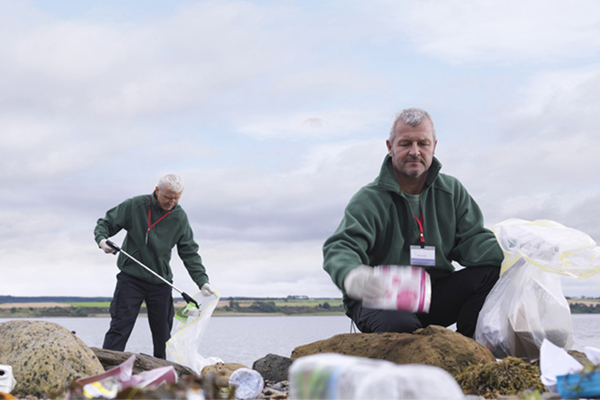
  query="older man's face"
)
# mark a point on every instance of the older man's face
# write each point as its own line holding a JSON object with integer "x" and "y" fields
{"x": 167, "y": 199}
{"x": 412, "y": 149}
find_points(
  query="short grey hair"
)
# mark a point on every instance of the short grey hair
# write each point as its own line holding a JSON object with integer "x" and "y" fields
{"x": 171, "y": 182}
{"x": 412, "y": 117}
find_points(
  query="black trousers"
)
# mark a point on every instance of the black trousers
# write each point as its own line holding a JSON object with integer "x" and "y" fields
{"x": 130, "y": 292}
{"x": 457, "y": 298}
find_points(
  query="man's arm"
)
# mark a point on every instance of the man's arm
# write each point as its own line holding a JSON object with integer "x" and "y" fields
{"x": 187, "y": 248}
{"x": 346, "y": 249}
{"x": 116, "y": 218}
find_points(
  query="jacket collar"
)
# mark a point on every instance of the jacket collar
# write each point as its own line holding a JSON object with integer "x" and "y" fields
{"x": 156, "y": 208}
{"x": 387, "y": 180}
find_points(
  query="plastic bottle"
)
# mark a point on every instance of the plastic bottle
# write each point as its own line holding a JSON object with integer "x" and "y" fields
{"x": 7, "y": 380}
{"x": 248, "y": 383}
{"x": 336, "y": 376}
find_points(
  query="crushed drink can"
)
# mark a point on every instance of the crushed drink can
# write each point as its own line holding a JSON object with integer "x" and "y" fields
{"x": 408, "y": 288}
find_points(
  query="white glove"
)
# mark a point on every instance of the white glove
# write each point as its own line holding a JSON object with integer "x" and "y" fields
{"x": 362, "y": 283}
{"x": 207, "y": 290}
{"x": 107, "y": 249}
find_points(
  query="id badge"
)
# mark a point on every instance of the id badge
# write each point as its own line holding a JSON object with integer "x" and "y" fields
{"x": 423, "y": 256}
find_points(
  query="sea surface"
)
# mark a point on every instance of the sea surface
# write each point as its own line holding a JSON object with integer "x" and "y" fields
{"x": 246, "y": 339}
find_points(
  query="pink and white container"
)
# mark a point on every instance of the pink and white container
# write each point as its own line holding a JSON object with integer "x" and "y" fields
{"x": 407, "y": 288}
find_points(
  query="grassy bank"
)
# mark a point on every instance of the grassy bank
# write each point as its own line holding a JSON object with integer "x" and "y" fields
{"x": 229, "y": 307}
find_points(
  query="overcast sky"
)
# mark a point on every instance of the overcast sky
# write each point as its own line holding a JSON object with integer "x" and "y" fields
{"x": 275, "y": 113}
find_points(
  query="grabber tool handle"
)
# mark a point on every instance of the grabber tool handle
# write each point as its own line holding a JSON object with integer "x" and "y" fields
{"x": 113, "y": 245}
{"x": 190, "y": 299}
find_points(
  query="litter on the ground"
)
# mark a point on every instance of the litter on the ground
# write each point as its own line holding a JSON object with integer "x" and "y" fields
{"x": 564, "y": 375}
{"x": 7, "y": 379}
{"x": 108, "y": 384}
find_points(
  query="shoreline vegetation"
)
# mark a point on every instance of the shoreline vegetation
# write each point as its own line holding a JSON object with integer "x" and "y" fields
{"x": 56, "y": 307}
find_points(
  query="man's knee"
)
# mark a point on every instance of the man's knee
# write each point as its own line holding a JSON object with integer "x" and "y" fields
{"x": 488, "y": 276}
{"x": 397, "y": 322}
{"x": 380, "y": 321}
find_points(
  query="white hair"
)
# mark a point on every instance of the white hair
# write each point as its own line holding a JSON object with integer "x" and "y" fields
{"x": 171, "y": 182}
{"x": 412, "y": 117}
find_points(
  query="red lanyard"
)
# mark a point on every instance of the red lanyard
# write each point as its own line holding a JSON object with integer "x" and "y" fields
{"x": 420, "y": 223}
{"x": 150, "y": 218}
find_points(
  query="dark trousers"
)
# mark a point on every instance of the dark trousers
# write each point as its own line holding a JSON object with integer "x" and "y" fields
{"x": 457, "y": 298}
{"x": 125, "y": 307}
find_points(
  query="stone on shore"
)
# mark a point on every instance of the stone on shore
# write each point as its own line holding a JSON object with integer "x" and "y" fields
{"x": 434, "y": 345}
{"x": 273, "y": 367}
{"x": 221, "y": 372}
{"x": 45, "y": 357}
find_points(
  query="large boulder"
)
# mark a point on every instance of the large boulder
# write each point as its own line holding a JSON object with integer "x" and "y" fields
{"x": 434, "y": 345}
{"x": 45, "y": 357}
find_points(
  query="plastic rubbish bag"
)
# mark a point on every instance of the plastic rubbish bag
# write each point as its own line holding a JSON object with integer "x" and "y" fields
{"x": 527, "y": 304}
{"x": 188, "y": 328}
{"x": 337, "y": 376}
{"x": 525, "y": 307}
{"x": 548, "y": 245}
{"x": 407, "y": 288}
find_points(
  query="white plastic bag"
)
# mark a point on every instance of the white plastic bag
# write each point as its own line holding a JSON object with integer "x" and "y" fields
{"x": 527, "y": 304}
{"x": 188, "y": 328}
{"x": 548, "y": 245}
{"x": 525, "y": 307}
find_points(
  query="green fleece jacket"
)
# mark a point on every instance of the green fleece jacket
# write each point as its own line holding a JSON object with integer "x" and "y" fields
{"x": 173, "y": 230}
{"x": 378, "y": 228}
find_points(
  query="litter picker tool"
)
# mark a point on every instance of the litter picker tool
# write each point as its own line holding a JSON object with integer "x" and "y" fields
{"x": 186, "y": 296}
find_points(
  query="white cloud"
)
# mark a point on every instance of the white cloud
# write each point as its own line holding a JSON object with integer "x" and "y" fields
{"x": 317, "y": 125}
{"x": 264, "y": 269}
{"x": 69, "y": 50}
{"x": 564, "y": 98}
{"x": 503, "y": 32}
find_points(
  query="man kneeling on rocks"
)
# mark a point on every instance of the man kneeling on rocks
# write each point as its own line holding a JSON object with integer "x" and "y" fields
{"x": 409, "y": 205}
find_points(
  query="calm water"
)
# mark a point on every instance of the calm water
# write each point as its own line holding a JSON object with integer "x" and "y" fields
{"x": 246, "y": 339}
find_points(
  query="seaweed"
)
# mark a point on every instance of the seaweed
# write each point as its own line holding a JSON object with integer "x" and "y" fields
{"x": 507, "y": 377}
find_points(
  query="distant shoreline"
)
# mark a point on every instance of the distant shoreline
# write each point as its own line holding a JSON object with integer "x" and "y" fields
{"x": 231, "y": 307}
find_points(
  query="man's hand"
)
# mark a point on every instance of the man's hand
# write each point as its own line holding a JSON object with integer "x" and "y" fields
{"x": 361, "y": 283}
{"x": 207, "y": 290}
{"x": 107, "y": 249}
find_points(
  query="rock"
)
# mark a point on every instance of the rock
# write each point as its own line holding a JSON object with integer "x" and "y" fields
{"x": 222, "y": 370}
{"x": 45, "y": 357}
{"x": 434, "y": 345}
{"x": 143, "y": 362}
{"x": 273, "y": 367}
